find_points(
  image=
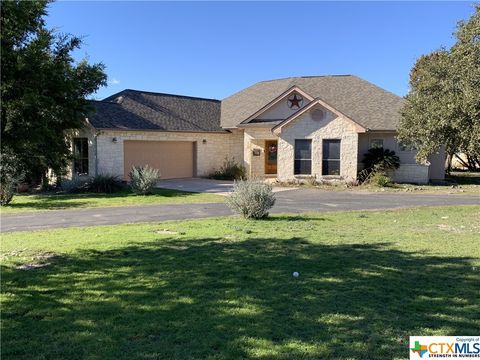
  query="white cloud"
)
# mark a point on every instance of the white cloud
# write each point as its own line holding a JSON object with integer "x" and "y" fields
{"x": 114, "y": 81}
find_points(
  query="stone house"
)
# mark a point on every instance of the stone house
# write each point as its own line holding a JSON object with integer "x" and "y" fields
{"x": 292, "y": 128}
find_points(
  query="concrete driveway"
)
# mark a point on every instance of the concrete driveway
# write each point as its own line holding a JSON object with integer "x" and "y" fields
{"x": 219, "y": 187}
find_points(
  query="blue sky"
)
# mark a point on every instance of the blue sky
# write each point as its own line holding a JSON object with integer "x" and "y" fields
{"x": 213, "y": 49}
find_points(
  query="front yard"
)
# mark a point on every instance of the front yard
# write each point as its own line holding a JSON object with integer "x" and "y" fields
{"x": 22, "y": 203}
{"x": 223, "y": 288}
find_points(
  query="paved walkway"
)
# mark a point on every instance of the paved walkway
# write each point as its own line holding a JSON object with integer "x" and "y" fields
{"x": 295, "y": 201}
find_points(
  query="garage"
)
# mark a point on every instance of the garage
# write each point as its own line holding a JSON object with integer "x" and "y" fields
{"x": 174, "y": 159}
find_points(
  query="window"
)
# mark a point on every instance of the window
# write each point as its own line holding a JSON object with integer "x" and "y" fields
{"x": 406, "y": 147}
{"x": 331, "y": 157}
{"x": 376, "y": 143}
{"x": 303, "y": 157}
{"x": 80, "y": 156}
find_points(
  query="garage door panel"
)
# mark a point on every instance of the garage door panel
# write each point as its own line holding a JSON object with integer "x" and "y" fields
{"x": 174, "y": 159}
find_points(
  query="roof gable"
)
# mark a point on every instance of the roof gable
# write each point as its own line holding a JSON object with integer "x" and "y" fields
{"x": 361, "y": 101}
{"x": 278, "y": 108}
{"x": 314, "y": 104}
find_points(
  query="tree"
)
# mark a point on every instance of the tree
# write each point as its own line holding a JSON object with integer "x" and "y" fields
{"x": 43, "y": 90}
{"x": 443, "y": 105}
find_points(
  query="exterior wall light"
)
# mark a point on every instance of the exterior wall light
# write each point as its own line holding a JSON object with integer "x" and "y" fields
{"x": 114, "y": 140}
{"x": 204, "y": 141}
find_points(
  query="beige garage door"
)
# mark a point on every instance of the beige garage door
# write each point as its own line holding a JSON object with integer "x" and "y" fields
{"x": 174, "y": 159}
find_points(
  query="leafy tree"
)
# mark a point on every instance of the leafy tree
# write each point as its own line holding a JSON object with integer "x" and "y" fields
{"x": 43, "y": 89}
{"x": 443, "y": 105}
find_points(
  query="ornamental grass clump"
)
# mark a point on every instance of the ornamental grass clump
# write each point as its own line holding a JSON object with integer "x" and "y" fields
{"x": 230, "y": 170}
{"x": 251, "y": 198}
{"x": 104, "y": 183}
{"x": 143, "y": 179}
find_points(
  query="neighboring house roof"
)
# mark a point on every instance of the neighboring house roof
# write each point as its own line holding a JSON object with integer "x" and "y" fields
{"x": 370, "y": 106}
{"x": 141, "y": 110}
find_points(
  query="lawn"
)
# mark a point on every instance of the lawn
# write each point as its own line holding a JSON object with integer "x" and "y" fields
{"x": 223, "y": 288}
{"x": 22, "y": 203}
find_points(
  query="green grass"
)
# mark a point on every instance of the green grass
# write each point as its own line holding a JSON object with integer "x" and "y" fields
{"x": 23, "y": 203}
{"x": 223, "y": 288}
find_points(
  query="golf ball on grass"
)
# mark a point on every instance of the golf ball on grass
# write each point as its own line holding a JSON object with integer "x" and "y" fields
{"x": 295, "y": 274}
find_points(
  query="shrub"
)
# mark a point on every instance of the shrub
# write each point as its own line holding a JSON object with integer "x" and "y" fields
{"x": 230, "y": 170}
{"x": 251, "y": 198}
{"x": 76, "y": 185}
{"x": 143, "y": 179}
{"x": 380, "y": 179}
{"x": 380, "y": 159}
{"x": 104, "y": 183}
{"x": 7, "y": 189}
{"x": 10, "y": 176}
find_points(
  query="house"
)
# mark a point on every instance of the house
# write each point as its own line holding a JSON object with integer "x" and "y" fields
{"x": 318, "y": 126}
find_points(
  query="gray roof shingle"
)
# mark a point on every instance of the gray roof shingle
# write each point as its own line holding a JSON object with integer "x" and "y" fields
{"x": 140, "y": 110}
{"x": 371, "y": 106}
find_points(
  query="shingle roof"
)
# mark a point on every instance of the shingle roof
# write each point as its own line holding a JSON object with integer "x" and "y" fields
{"x": 372, "y": 107}
{"x": 140, "y": 110}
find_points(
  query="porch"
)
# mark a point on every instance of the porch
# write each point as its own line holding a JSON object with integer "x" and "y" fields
{"x": 260, "y": 153}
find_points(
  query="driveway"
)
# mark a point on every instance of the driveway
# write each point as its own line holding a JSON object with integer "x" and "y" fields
{"x": 308, "y": 200}
{"x": 219, "y": 187}
{"x": 295, "y": 201}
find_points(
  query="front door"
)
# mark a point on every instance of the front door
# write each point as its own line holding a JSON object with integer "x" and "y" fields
{"x": 271, "y": 157}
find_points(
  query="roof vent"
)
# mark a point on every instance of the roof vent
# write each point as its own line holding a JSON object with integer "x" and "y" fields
{"x": 318, "y": 114}
{"x": 119, "y": 99}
